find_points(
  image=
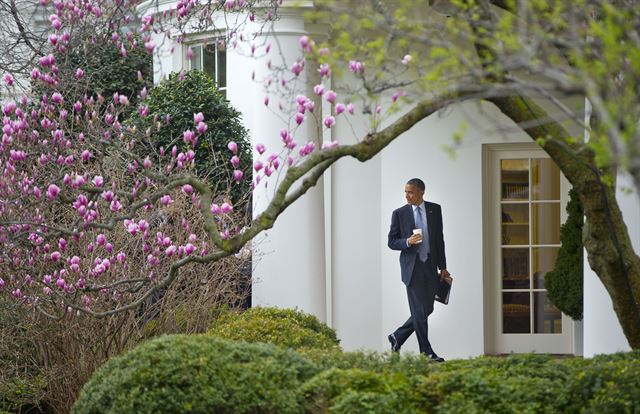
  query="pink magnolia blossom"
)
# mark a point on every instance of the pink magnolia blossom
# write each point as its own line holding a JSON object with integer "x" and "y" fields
{"x": 197, "y": 118}
{"x": 166, "y": 199}
{"x": 79, "y": 73}
{"x": 237, "y": 175}
{"x": 329, "y": 121}
{"x": 340, "y": 108}
{"x": 350, "y": 108}
{"x": 8, "y": 79}
{"x": 235, "y": 161}
{"x": 299, "y": 118}
{"x": 98, "y": 181}
{"x": 318, "y": 90}
{"x": 187, "y": 189}
{"x": 260, "y": 148}
{"x": 233, "y": 147}
{"x": 297, "y": 67}
{"x": 356, "y": 66}
{"x": 52, "y": 191}
{"x": 324, "y": 70}
{"x": 215, "y": 209}
{"x": 226, "y": 208}
{"x": 330, "y": 96}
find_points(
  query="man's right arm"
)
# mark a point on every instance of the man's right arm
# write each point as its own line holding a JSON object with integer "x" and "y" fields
{"x": 396, "y": 241}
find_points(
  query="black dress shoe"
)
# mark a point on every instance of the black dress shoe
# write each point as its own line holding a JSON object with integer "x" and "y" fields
{"x": 435, "y": 358}
{"x": 395, "y": 346}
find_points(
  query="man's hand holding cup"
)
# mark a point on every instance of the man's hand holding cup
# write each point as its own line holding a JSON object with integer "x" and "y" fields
{"x": 416, "y": 237}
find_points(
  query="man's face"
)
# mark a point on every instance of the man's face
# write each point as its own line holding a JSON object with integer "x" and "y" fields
{"x": 413, "y": 194}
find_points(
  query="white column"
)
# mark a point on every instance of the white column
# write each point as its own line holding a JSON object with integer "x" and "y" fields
{"x": 289, "y": 264}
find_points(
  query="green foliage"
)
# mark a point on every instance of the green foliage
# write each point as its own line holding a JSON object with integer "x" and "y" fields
{"x": 180, "y": 96}
{"x": 106, "y": 71}
{"x": 22, "y": 394}
{"x": 564, "y": 283}
{"x": 284, "y": 327}
{"x": 197, "y": 374}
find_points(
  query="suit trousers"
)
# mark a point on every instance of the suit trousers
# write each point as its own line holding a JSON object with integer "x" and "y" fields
{"x": 421, "y": 293}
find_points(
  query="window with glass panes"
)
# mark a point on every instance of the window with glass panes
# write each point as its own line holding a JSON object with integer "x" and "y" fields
{"x": 211, "y": 58}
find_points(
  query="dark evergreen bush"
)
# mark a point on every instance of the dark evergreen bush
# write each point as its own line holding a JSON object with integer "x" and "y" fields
{"x": 179, "y": 97}
{"x": 565, "y": 283}
{"x": 197, "y": 374}
{"x": 285, "y": 327}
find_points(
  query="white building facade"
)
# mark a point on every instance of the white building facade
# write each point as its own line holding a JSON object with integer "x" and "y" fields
{"x": 502, "y": 202}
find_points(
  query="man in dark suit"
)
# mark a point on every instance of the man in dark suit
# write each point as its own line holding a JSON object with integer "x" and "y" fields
{"x": 421, "y": 256}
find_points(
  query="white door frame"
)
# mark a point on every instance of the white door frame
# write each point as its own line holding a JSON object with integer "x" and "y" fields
{"x": 495, "y": 341}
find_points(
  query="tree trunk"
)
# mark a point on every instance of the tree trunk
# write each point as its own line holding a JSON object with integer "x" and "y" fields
{"x": 605, "y": 234}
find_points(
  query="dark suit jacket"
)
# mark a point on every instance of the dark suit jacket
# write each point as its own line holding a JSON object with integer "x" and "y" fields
{"x": 402, "y": 225}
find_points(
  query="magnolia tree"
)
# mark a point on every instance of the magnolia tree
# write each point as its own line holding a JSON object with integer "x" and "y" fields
{"x": 72, "y": 180}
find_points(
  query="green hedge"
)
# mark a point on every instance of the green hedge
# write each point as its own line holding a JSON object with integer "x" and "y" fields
{"x": 197, "y": 374}
{"x": 284, "y": 327}
{"x": 209, "y": 374}
{"x": 564, "y": 283}
{"x": 180, "y": 96}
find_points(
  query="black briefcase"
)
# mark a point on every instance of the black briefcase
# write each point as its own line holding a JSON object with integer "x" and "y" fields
{"x": 444, "y": 289}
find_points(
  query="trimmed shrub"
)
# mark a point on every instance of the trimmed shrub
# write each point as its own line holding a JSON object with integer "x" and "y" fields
{"x": 197, "y": 374}
{"x": 284, "y": 327}
{"x": 179, "y": 97}
{"x": 358, "y": 391}
{"x": 564, "y": 283}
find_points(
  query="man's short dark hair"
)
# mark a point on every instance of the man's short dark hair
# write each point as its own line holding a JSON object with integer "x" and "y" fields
{"x": 418, "y": 183}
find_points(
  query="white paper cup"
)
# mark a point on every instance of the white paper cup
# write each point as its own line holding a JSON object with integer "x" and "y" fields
{"x": 418, "y": 231}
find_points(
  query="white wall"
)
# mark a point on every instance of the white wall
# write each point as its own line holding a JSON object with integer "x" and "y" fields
{"x": 602, "y": 331}
{"x": 369, "y": 299}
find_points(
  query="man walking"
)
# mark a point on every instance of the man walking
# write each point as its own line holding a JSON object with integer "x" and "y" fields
{"x": 416, "y": 230}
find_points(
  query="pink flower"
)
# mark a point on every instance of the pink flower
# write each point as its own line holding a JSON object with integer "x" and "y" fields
{"x": 86, "y": 155}
{"x": 215, "y": 209}
{"x": 98, "y": 181}
{"x": 149, "y": 46}
{"x": 329, "y": 121}
{"x": 166, "y": 199}
{"x": 299, "y": 117}
{"x": 101, "y": 239}
{"x": 202, "y": 127}
{"x": 235, "y": 161}
{"x": 350, "y": 108}
{"x": 406, "y": 59}
{"x": 146, "y": 163}
{"x": 260, "y": 148}
{"x": 187, "y": 189}
{"x": 188, "y": 136}
{"x": 330, "y": 144}
{"x": 2, "y": 283}
{"x": 318, "y": 90}
{"x": 53, "y": 191}
{"x": 170, "y": 251}
{"x": 266, "y": 100}
{"x": 330, "y": 96}
{"x": 356, "y": 66}
{"x": 8, "y": 79}
{"x": 55, "y": 256}
{"x": 123, "y": 100}
{"x": 226, "y": 208}
{"x": 79, "y": 73}
{"x": 237, "y": 175}
{"x": 340, "y": 108}
{"x": 233, "y": 147}
{"x": 198, "y": 117}
{"x": 297, "y": 67}
{"x": 115, "y": 206}
{"x": 257, "y": 165}
{"x": 304, "y": 42}
{"x": 325, "y": 70}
